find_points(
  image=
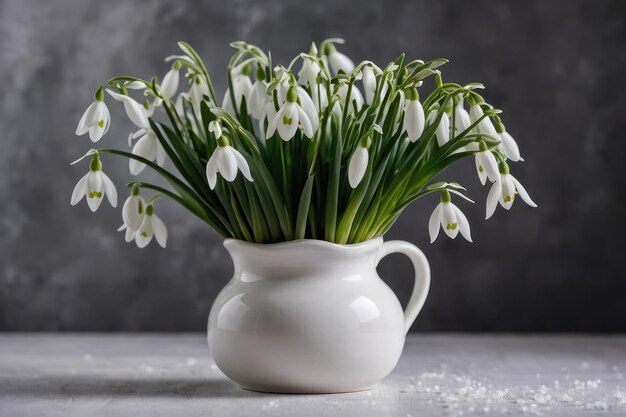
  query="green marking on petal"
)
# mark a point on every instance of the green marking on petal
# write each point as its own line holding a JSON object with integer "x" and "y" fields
{"x": 145, "y": 234}
{"x": 451, "y": 226}
{"x": 95, "y": 194}
{"x": 100, "y": 124}
{"x": 481, "y": 169}
{"x": 509, "y": 198}
{"x": 287, "y": 120}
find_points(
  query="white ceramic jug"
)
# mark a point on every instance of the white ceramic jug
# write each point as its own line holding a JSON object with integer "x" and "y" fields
{"x": 309, "y": 316}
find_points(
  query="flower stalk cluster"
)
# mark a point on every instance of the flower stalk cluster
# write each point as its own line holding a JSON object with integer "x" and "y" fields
{"x": 326, "y": 148}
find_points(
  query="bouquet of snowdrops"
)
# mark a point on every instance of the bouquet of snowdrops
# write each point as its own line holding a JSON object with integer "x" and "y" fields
{"x": 333, "y": 152}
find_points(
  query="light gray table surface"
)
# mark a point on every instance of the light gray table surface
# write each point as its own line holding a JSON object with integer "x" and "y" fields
{"x": 47, "y": 375}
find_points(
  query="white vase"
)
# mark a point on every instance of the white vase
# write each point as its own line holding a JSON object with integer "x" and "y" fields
{"x": 309, "y": 316}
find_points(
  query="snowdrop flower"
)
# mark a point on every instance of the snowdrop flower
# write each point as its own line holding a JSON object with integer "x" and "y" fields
{"x": 462, "y": 118}
{"x": 358, "y": 165}
{"x": 368, "y": 73}
{"x": 133, "y": 213}
{"x": 356, "y": 98}
{"x": 148, "y": 145}
{"x": 414, "y": 118}
{"x": 96, "y": 119}
{"x": 216, "y": 127}
{"x": 504, "y": 190}
{"x": 443, "y": 128}
{"x": 198, "y": 89}
{"x": 226, "y": 160}
{"x": 508, "y": 146}
{"x": 134, "y": 110}
{"x": 338, "y": 61}
{"x": 450, "y": 217}
{"x": 486, "y": 164}
{"x": 94, "y": 186}
{"x": 307, "y": 76}
{"x": 151, "y": 226}
{"x": 258, "y": 96}
{"x": 484, "y": 126}
{"x": 169, "y": 85}
{"x": 242, "y": 86}
{"x": 288, "y": 118}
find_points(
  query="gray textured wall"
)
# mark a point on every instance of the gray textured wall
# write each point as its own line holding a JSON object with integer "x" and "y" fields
{"x": 556, "y": 67}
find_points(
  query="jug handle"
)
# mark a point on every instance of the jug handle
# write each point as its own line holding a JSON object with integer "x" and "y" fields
{"x": 422, "y": 276}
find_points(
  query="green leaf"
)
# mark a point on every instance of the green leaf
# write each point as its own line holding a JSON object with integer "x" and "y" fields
{"x": 303, "y": 208}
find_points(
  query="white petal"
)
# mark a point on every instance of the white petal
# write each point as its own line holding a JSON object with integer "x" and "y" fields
{"x": 226, "y": 163}
{"x": 211, "y": 170}
{"x": 358, "y": 166}
{"x": 146, "y": 148}
{"x": 100, "y": 124}
{"x": 134, "y": 110}
{"x": 170, "y": 83}
{"x": 448, "y": 220}
{"x": 460, "y": 195}
{"x": 369, "y": 83}
{"x": 492, "y": 198}
{"x": 509, "y": 146}
{"x": 413, "y": 119}
{"x": 242, "y": 164}
{"x": 443, "y": 130}
{"x": 480, "y": 168}
{"x": 160, "y": 230}
{"x": 160, "y": 154}
{"x": 461, "y": 120}
{"x": 305, "y": 122}
{"x": 143, "y": 236}
{"x": 491, "y": 165}
{"x": 508, "y": 191}
{"x": 133, "y": 212}
{"x": 464, "y": 226}
{"x": 433, "y": 223}
{"x": 522, "y": 192}
{"x": 129, "y": 235}
{"x": 273, "y": 122}
{"x": 290, "y": 114}
{"x": 339, "y": 61}
{"x": 94, "y": 187}
{"x": 309, "y": 108}
{"x": 79, "y": 190}
{"x": 109, "y": 189}
{"x": 216, "y": 128}
{"x": 86, "y": 120}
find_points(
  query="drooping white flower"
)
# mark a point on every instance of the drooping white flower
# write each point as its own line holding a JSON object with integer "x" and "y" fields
{"x": 504, "y": 190}
{"x": 258, "y": 98}
{"x": 227, "y": 161}
{"x": 414, "y": 118}
{"x": 133, "y": 212}
{"x": 151, "y": 226}
{"x": 307, "y": 76}
{"x": 288, "y": 118}
{"x": 486, "y": 164}
{"x": 442, "y": 132}
{"x": 370, "y": 84}
{"x": 508, "y": 146}
{"x": 462, "y": 118}
{"x": 96, "y": 119}
{"x": 216, "y": 127}
{"x": 338, "y": 61}
{"x": 356, "y": 98}
{"x": 134, "y": 110}
{"x": 485, "y": 125}
{"x": 242, "y": 86}
{"x": 94, "y": 186}
{"x": 358, "y": 165}
{"x": 450, "y": 218}
{"x": 197, "y": 91}
{"x": 148, "y": 145}
{"x": 309, "y": 107}
{"x": 169, "y": 85}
